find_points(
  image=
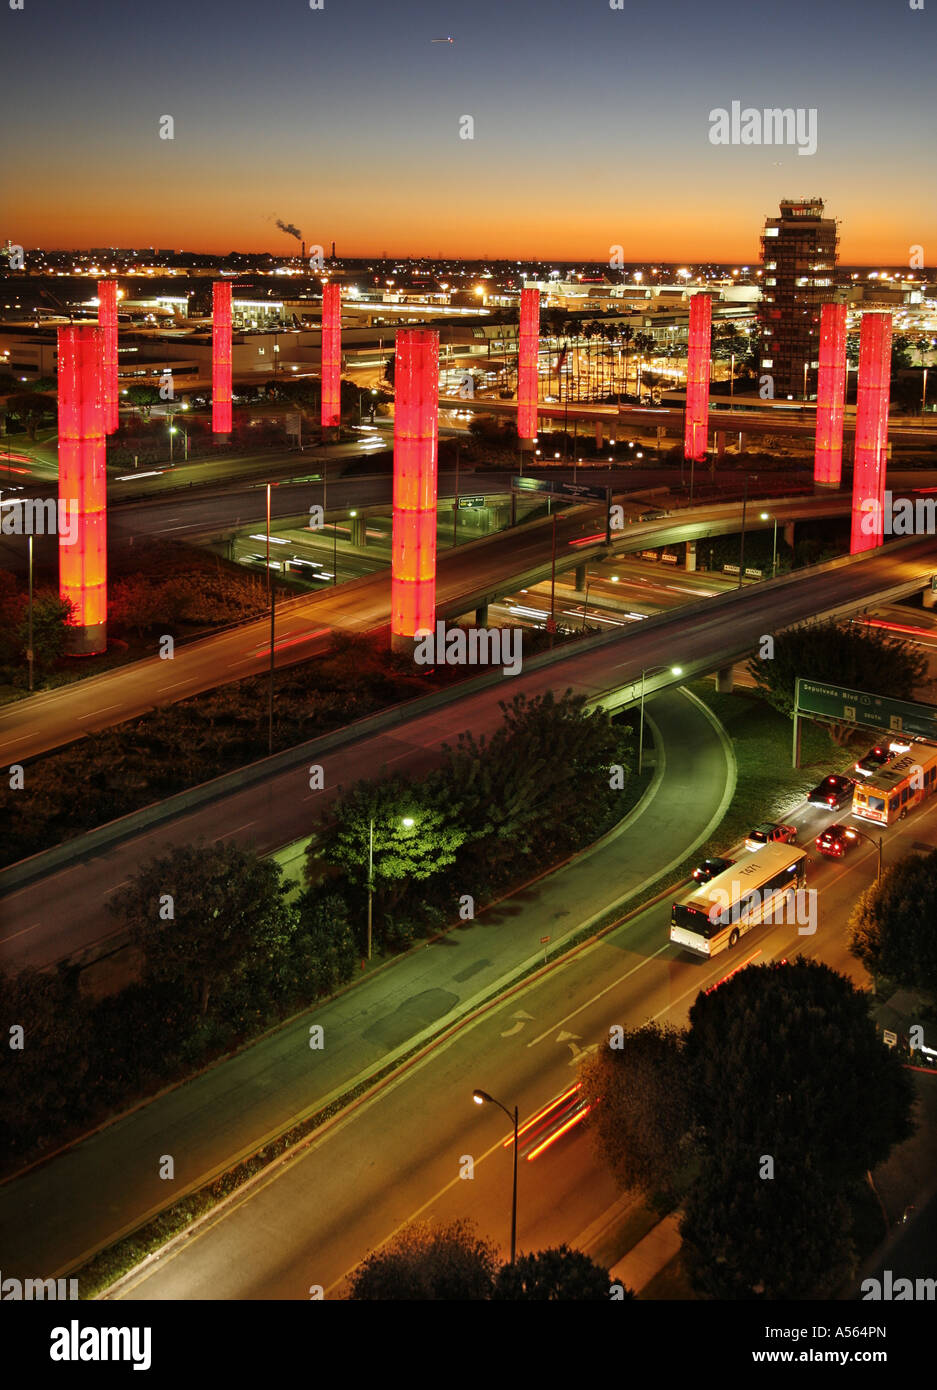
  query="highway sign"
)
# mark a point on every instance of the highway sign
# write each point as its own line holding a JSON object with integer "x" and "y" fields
{"x": 471, "y": 502}
{"x": 861, "y": 707}
{"x": 556, "y": 488}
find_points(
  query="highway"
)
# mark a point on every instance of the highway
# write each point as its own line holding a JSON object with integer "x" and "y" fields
{"x": 53, "y": 1214}
{"x": 466, "y": 578}
{"x": 901, "y": 429}
{"x": 62, "y": 913}
{"x": 398, "y": 1154}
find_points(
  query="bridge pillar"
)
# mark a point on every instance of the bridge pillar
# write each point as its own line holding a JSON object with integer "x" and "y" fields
{"x": 690, "y": 557}
{"x": 929, "y": 598}
{"x": 720, "y": 444}
{"x": 724, "y": 681}
{"x": 660, "y": 435}
{"x": 598, "y": 434}
{"x": 743, "y": 441}
{"x": 580, "y": 576}
{"x": 789, "y": 534}
{"x": 481, "y": 615}
{"x": 359, "y": 530}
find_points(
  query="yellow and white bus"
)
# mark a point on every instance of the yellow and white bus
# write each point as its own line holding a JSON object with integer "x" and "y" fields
{"x": 761, "y": 886}
{"x": 890, "y": 792}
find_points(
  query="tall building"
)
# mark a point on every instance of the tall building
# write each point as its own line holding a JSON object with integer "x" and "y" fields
{"x": 798, "y": 254}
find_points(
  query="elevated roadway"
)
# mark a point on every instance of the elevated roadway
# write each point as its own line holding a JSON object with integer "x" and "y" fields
{"x": 61, "y": 911}
{"x": 467, "y": 578}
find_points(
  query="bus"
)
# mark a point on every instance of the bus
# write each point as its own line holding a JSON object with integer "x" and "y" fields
{"x": 759, "y": 887}
{"x": 889, "y": 793}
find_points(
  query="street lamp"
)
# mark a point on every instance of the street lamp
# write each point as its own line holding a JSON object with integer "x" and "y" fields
{"x": 483, "y": 1098}
{"x": 674, "y": 671}
{"x": 864, "y": 835}
{"x": 774, "y": 550}
{"x": 408, "y": 822}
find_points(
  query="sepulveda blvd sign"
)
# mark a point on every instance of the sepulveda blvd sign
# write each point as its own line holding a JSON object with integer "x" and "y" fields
{"x": 845, "y": 706}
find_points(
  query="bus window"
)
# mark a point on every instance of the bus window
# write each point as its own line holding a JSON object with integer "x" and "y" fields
{"x": 905, "y": 793}
{"x": 877, "y": 803}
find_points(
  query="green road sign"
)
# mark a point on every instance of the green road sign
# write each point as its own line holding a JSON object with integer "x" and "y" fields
{"x": 471, "y": 502}
{"x": 861, "y": 707}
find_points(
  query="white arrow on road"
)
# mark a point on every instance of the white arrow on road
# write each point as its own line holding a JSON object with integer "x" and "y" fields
{"x": 523, "y": 1019}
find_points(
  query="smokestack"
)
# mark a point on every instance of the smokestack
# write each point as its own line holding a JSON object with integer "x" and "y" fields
{"x": 304, "y": 250}
{"x": 333, "y": 250}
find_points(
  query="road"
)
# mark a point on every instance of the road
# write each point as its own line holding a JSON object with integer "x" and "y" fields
{"x": 62, "y": 913}
{"x": 53, "y": 1214}
{"x": 400, "y": 1154}
{"x": 466, "y": 577}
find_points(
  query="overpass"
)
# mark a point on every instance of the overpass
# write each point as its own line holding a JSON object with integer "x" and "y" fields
{"x": 468, "y": 578}
{"x": 53, "y": 902}
{"x": 728, "y": 420}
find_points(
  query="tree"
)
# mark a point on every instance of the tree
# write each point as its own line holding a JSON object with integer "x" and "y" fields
{"x": 785, "y": 1060}
{"x": 30, "y": 407}
{"x": 425, "y": 1262}
{"x": 204, "y": 916}
{"x": 852, "y": 654}
{"x": 324, "y": 953}
{"x": 143, "y": 396}
{"x": 749, "y": 1237}
{"x": 390, "y": 368}
{"x": 51, "y": 615}
{"x": 403, "y": 854}
{"x": 42, "y": 1083}
{"x": 642, "y": 1110}
{"x": 891, "y": 929}
{"x": 559, "y": 1273}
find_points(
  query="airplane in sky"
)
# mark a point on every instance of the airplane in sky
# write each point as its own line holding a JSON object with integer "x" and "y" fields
{"x": 447, "y": 39}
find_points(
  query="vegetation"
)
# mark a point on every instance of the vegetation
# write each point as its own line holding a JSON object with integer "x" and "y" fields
{"x": 891, "y": 929}
{"x": 784, "y": 1099}
{"x": 452, "y": 1262}
{"x": 852, "y": 654}
{"x": 224, "y": 956}
{"x": 493, "y": 812}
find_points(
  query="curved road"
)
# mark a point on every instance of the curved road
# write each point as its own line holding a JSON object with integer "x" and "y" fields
{"x": 55, "y": 1213}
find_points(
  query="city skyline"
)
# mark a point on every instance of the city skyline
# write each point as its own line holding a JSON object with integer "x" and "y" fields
{"x": 346, "y": 125}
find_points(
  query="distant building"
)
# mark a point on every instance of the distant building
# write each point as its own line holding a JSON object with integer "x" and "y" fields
{"x": 798, "y": 253}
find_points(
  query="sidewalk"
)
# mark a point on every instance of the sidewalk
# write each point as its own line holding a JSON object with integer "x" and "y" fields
{"x": 107, "y": 1184}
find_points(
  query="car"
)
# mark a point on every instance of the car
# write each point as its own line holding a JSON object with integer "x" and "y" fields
{"x": 833, "y": 791}
{"x": 710, "y": 867}
{"x": 835, "y": 840}
{"x": 875, "y": 758}
{"x": 771, "y": 834}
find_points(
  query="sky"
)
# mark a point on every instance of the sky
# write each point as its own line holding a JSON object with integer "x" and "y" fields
{"x": 591, "y": 125}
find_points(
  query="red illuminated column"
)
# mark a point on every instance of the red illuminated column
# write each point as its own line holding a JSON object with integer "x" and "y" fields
{"x": 413, "y": 556}
{"x": 868, "y": 476}
{"x": 107, "y": 319}
{"x": 221, "y": 357}
{"x": 331, "y": 356}
{"x": 696, "y": 424}
{"x": 83, "y": 486}
{"x": 831, "y": 397}
{"x": 527, "y": 350}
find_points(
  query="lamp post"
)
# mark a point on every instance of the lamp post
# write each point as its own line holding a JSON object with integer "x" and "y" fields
{"x": 30, "y": 655}
{"x": 268, "y": 542}
{"x": 585, "y": 606}
{"x": 483, "y": 1098}
{"x": 742, "y": 546}
{"x": 408, "y": 822}
{"x": 774, "y": 548}
{"x": 864, "y": 835}
{"x": 674, "y": 670}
